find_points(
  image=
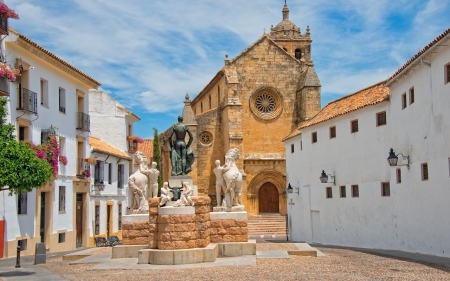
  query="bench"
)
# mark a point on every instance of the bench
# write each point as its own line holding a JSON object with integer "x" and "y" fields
{"x": 101, "y": 242}
{"x": 114, "y": 241}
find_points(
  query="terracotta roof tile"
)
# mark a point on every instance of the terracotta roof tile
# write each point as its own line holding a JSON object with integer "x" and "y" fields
{"x": 365, "y": 97}
{"x": 102, "y": 147}
{"x": 147, "y": 148}
{"x": 421, "y": 52}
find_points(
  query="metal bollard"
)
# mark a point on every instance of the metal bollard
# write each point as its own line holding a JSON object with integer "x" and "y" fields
{"x": 18, "y": 257}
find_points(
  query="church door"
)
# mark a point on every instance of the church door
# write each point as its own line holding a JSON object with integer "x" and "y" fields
{"x": 268, "y": 198}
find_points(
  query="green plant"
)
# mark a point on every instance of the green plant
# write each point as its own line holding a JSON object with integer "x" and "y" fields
{"x": 21, "y": 169}
{"x": 157, "y": 158}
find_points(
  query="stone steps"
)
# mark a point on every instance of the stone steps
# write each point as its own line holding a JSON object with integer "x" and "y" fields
{"x": 266, "y": 224}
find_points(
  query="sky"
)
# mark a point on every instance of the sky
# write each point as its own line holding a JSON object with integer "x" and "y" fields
{"x": 149, "y": 54}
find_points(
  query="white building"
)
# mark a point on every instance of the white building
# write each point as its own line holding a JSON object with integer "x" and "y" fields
{"x": 111, "y": 128}
{"x": 51, "y": 92}
{"x": 371, "y": 204}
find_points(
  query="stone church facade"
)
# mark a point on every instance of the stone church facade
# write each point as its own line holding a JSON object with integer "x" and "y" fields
{"x": 255, "y": 100}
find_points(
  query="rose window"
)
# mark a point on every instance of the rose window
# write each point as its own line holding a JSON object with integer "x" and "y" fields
{"x": 206, "y": 138}
{"x": 265, "y": 103}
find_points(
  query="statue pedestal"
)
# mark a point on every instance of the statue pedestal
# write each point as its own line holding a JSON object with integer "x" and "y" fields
{"x": 177, "y": 181}
{"x": 228, "y": 227}
{"x": 226, "y": 209}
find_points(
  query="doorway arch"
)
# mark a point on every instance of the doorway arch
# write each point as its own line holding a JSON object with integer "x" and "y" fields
{"x": 268, "y": 198}
{"x": 275, "y": 178}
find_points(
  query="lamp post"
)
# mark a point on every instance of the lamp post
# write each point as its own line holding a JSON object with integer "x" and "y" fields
{"x": 324, "y": 177}
{"x": 393, "y": 159}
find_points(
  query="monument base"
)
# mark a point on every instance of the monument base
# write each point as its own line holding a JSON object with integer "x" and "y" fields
{"x": 227, "y": 209}
{"x": 228, "y": 227}
{"x": 177, "y": 181}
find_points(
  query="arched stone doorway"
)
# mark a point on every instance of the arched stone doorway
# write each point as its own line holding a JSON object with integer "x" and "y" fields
{"x": 268, "y": 198}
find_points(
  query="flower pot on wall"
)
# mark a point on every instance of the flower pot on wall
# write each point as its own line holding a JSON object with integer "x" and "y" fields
{"x": 4, "y": 87}
{"x": 3, "y": 25}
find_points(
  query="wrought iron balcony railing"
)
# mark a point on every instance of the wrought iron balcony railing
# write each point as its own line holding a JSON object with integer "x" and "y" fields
{"x": 83, "y": 122}
{"x": 132, "y": 146}
{"x": 27, "y": 100}
{"x": 62, "y": 109}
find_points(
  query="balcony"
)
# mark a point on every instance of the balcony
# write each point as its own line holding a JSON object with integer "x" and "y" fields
{"x": 27, "y": 100}
{"x": 132, "y": 146}
{"x": 83, "y": 122}
{"x": 3, "y": 25}
{"x": 82, "y": 167}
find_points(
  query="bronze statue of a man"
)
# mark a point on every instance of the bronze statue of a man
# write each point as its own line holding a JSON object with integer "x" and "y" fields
{"x": 180, "y": 154}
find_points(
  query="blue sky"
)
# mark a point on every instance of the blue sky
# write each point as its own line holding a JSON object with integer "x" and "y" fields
{"x": 149, "y": 54}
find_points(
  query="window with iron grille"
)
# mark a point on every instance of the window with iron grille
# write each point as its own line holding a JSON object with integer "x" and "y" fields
{"x": 62, "y": 198}
{"x": 354, "y": 126}
{"x": 120, "y": 175}
{"x": 109, "y": 173}
{"x": 62, "y": 100}
{"x": 425, "y": 171}
{"x": 399, "y": 175}
{"x": 120, "y": 216}
{"x": 329, "y": 192}
{"x": 314, "y": 137}
{"x": 97, "y": 219}
{"x": 22, "y": 203}
{"x": 411, "y": 95}
{"x": 99, "y": 173}
{"x": 343, "y": 191}
{"x": 381, "y": 118}
{"x": 355, "y": 190}
{"x": 332, "y": 132}
{"x": 404, "y": 101}
{"x": 385, "y": 189}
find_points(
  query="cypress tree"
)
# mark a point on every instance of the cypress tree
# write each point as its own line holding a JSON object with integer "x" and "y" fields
{"x": 157, "y": 158}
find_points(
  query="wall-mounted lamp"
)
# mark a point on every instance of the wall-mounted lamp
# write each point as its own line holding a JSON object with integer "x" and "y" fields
{"x": 324, "y": 177}
{"x": 392, "y": 159}
{"x": 291, "y": 190}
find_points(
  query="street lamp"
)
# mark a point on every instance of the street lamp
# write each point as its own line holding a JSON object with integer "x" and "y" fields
{"x": 393, "y": 159}
{"x": 324, "y": 177}
{"x": 291, "y": 190}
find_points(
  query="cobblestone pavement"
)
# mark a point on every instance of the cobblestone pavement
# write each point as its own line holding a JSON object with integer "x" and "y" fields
{"x": 339, "y": 264}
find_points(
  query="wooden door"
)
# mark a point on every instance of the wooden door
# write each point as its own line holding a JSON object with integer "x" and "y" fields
{"x": 79, "y": 219}
{"x": 268, "y": 198}
{"x": 108, "y": 219}
{"x": 42, "y": 218}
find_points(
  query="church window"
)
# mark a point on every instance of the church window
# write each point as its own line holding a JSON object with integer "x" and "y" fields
{"x": 354, "y": 126}
{"x": 298, "y": 54}
{"x": 201, "y": 107}
{"x": 332, "y": 132}
{"x": 314, "y": 137}
{"x": 411, "y": 95}
{"x": 218, "y": 94}
{"x": 404, "y": 101}
{"x": 209, "y": 99}
{"x": 381, "y": 118}
{"x": 206, "y": 138}
{"x": 266, "y": 103}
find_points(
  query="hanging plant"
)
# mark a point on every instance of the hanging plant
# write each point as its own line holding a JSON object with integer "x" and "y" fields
{"x": 90, "y": 160}
{"x": 6, "y": 12}
{"x": 8, "y": 72}
{"x": 87, "y": 173}
{"x": 63, "y": 160}
{"x": 135, "y": 138}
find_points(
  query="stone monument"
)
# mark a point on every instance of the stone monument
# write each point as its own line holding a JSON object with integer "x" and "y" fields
{"x": 165, "y": 194}
{"x": 181, "y": 156}
{"x": 137, "y": 183}
{"x": 220, "y": 183}
{"x": 186, "y": 196}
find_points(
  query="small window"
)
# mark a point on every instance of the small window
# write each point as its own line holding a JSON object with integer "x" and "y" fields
{"x": 385, "y": 189}
{"x": 120, "y": 216}
{"x": 354, "y": 126}
{"x": 329, "y": 192}
{"x": 447, "y": 72}
{"x": 62, "y": 198}
{"x": 292, "y": 148}
{"x": 343, "y": 191}
{"x": 23, "y": 133}
{"x": 355, "y": 190}
{"x": 62, "y": 145}
{"x": 381, "y": 118}
{"x": 201, "y": 107}
{"x": 44, "y": 92}
{"x": 61, "y": 237}
{"x": 120, "y": 176}
{"x": 99, "y": 175}
{"x": 332, "y": 132}
{"x": 404, "y": 101}
{"x": 109, "y": 173}
{"x": 314, "y": 137}
{"x": 62, "y": 100}
{"x": 301, "y": 146}
{"x": 298, "y": 54}
{"x": 411, "y": 95}
{"x": 210, "y": 104}
{"x": 22, "y": 203}
{"x": 425, "y": 171}
{"x": 97, "y": 219}
{"x": 22, "y": 244}
{"x": 399, "y": 175}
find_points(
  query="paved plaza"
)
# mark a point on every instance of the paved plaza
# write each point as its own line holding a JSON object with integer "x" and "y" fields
{"x": 272, "y": 262}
